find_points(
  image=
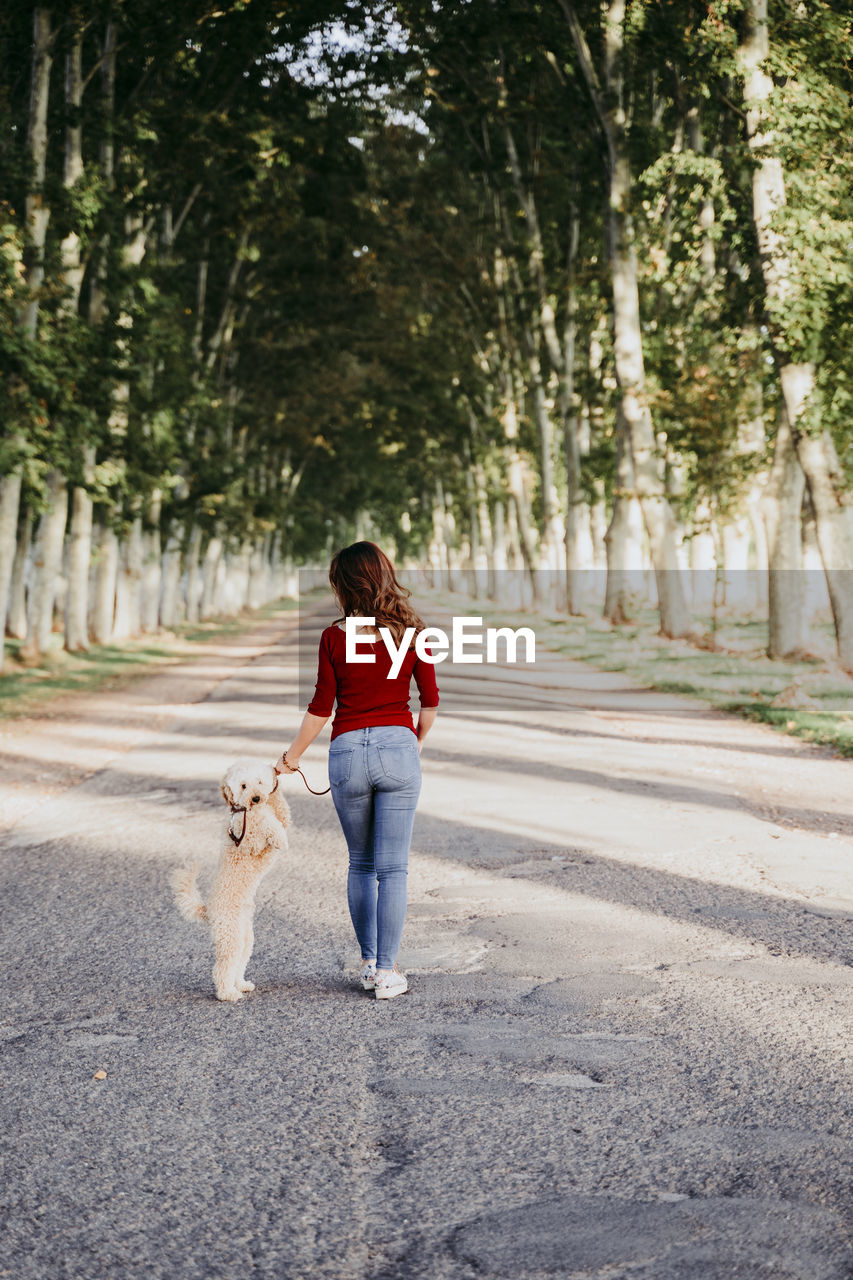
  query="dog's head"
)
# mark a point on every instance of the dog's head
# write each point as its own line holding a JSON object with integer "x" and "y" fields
{"x": 248, "y": 783}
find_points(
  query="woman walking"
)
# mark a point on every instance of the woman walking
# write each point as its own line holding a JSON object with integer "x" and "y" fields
{"x": 374, "y": 753}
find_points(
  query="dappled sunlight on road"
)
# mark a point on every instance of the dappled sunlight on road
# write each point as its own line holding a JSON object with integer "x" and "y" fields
{"x": 616, "y": 945}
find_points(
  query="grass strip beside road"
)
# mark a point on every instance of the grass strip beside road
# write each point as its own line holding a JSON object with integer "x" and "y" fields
{"x": 810, "y": 697}
{"x": 26, "y": 688}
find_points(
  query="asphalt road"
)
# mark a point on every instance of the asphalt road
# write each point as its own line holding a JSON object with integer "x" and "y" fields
{"x": 626, "y": 1050}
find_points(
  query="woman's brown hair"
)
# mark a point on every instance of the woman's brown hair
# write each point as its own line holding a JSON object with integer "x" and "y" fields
{"x": 364, "y": 581}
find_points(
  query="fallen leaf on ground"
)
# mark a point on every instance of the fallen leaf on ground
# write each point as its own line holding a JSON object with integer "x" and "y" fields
{"x": 100, "y": 1075}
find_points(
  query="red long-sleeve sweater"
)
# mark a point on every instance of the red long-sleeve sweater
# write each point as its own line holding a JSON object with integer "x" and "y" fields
{"x": 365, "y": 694}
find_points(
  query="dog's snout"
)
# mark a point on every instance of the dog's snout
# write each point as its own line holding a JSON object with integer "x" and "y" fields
{"x": 256, "y": 799}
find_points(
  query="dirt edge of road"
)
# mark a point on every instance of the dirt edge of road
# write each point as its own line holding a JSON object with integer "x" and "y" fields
{"x": 44, "y": 753}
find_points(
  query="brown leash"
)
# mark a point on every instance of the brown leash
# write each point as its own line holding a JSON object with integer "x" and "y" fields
{"x": 238, "y": 808}
{"x": 304, "y": 779}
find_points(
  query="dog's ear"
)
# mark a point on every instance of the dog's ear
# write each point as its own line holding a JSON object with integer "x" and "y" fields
{"x": 227, "y": 794}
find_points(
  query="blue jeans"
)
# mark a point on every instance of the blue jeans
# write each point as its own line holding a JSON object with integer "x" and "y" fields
{"x": 376, "y": 780}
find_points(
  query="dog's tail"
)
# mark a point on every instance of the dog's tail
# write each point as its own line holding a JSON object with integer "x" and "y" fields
{"x": 187, "y": 897}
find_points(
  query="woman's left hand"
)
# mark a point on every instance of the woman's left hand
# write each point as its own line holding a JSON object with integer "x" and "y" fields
{"x": 284, "y": 766}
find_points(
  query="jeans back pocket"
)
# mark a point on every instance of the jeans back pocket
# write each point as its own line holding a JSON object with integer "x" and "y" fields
{"x": 340, "y": 765}
{"x": 400, "y": 763}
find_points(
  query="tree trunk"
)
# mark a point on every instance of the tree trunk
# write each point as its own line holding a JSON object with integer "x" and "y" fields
{"x": 127, "y": 619}
{"x": 831, "y": 503}
{"x": 152, "y": 566}
{"x": 72, "y": 279}
{"x": 194, "y": 585}
{"x": 598, "y": 524}
{"x": 555, "y": 544}
{"x": 10, "y": 500}
{"x": 571, "y": 430}
{"x": 37, "y": 211}
{"x": 482, "y": 536}
{"x": 627, "y": 333}
{"x": 552, "y": 539}
{"x": 16, "y": 623}
{"x": 703, "y": 557}
{"x": 106, "y": 574}
{"x": 171, "y": 579}
{"x": 658, "y": 515}
{"x": 72, "y": 270}
{"x": 525, "y": 541}
{"x": 484, "y": 519}
{"x": 127, "y": 615}
{"x": 36, "y": 216}
{"x": 210, "y": 570}
{"x": 542, "y": 552}
{"x": 106, "y": 150}
{"x": 275, "y": 566}
{"x": 233, "y": 583}
{"x": 267, "y": 560}
{"x": 438, "y": 558}
{"x": 152, "y": 570}
{"x": 256, "y": 575}
{"x": 472, "y": 538}
{"x": 623, "y": 540}
{"x": 828, "y": 490}
{"x": 79, "y": 558}
{"x": 449, "y": 535}
{"x": 243, "y": 576}
{"x": 47, "y": 565}
{"x": 782, "y": 505}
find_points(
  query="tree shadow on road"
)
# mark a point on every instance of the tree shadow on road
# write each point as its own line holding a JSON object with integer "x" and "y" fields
{"x": 793, "y": 747}
{"x": 778, "y": 923}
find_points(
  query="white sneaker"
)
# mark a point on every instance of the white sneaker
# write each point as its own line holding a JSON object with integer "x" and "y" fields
{"x": 390, "y": 983}
{"x": 367, "y": 976}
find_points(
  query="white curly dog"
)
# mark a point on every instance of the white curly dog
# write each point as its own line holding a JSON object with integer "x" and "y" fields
{"x": 254, "y": 837}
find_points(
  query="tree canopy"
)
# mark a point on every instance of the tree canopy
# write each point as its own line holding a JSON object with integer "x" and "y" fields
{"x": 558, "y": 286}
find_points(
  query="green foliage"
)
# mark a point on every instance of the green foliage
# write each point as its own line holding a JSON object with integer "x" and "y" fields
{"x": 355, "y": 219}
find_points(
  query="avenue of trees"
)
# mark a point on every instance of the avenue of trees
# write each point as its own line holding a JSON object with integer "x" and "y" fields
{"x": 554, "y": 286}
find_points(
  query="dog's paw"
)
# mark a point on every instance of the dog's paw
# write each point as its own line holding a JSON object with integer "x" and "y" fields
{"x": 245, "y": 985}
{"x": 231, "y": 996}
